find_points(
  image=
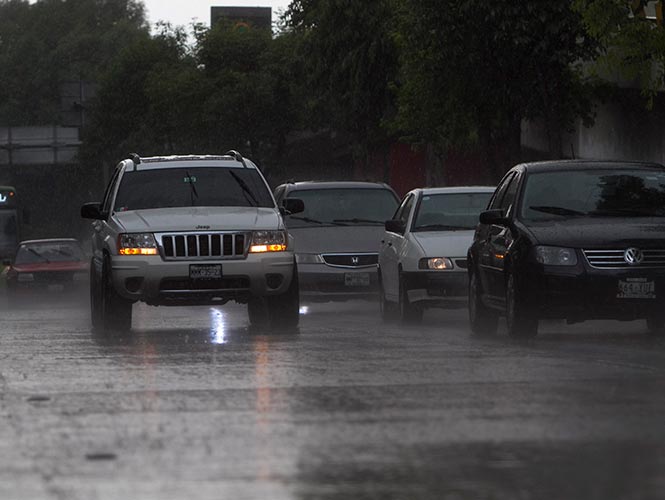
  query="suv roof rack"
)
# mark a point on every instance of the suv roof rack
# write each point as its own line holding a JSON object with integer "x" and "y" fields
{"x": 236, "y": 156}
{"x": 136, "y": 159}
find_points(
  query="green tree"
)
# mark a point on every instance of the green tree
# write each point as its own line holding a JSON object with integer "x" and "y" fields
{"x": 51, "y": 41}
{"x": 633, "y": 47}
{"x": 471, "y": 71}
{"x": 349, "y": 62}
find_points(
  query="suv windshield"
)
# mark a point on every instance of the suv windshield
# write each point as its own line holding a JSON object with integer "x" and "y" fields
{"x": 594, "y": 192}
{"x": 192, "y": 187}
{"x": 344, "y": 206}
{"x": 450, "y": 211}
{"x": 49, "y": 252}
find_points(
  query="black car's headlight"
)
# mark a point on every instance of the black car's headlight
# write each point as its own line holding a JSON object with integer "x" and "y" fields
{"x": 555, "y": 256}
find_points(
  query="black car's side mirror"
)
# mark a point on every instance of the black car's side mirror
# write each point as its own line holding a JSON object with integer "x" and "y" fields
{"x": 394, "y": 226}
{"x": 92, "y": 211}
{"x": 292, "y": 206}
{"x": 493, "y": 217}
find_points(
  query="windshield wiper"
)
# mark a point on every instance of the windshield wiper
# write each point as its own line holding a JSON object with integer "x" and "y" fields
{"x": 556, "y": 210}
{"x": 245, "y": 189}
{"x": 193, "y": 193}
{"x": 358, "y": 221}
{"x": 441, "y": 227}
{"x": 35, "y": 252}
{"x": 630, "y": 212}
{"x": 314, "y": 221}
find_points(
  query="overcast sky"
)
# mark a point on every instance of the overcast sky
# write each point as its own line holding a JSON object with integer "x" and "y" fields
{"x": 184, "y": 12}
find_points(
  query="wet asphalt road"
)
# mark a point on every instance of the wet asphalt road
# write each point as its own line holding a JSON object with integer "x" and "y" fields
{"x": 194, "y": 405}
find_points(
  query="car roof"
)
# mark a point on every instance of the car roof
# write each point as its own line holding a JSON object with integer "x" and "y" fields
{"x": 303, "y": 185}
{"x": 456, "y": 190}
{"x": 189, "y": 161}
{"x": 553, "y": 165}
{"x": 50, "y": 240}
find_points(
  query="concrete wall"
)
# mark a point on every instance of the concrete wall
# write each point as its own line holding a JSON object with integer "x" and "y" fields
{"x": 622, "y": 131}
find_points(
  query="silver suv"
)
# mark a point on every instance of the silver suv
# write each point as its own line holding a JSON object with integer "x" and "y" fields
{"x": 191, "y": 230}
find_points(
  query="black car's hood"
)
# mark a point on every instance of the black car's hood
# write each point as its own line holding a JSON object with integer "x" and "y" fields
{"x": 596, "y": 232}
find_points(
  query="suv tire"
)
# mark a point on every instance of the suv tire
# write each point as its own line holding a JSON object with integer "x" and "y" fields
{"x": 115, "y": 313}
{"x": 277, "y": 312}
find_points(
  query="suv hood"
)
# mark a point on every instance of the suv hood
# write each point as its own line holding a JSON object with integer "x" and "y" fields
{"x": 336, "y": 239}
{"x": 611, "y": 232}
{"x": 199, "y": 219}
{"x": 445, "y": 243}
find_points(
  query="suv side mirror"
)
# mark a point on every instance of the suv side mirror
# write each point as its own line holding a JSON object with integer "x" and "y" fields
{"x": 293, "y": 205}
{"x": 394, "y": 226}
{"x": 92, "y": 211}
{"x": 494, "y": 216}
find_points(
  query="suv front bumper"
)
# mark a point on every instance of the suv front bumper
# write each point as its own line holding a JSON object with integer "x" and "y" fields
{"x": 155, "y": 281}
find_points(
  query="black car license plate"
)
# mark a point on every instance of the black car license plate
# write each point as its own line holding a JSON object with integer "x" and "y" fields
{"x": 205, "y": 271}
{"x": 636, "y": 288}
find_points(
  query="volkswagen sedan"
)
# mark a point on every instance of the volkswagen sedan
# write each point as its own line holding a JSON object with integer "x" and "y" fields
{"x": 575, "y": 240}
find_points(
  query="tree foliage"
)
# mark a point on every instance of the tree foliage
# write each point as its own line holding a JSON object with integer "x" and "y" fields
{"x": 472, "y": 70}
{"x": 633, "y": 47}
{"x": 350, "y": 61}
{"x": 51, "y": 41}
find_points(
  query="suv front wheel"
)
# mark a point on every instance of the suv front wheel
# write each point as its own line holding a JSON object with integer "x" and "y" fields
{"x": 109, "y": 311}
{"x": 278, "y": 311}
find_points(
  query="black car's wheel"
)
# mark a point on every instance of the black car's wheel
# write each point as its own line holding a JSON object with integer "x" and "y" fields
{"x": 483, "y": 320}
{"x": 284, "y": 310}
{"x": 388, "y": 309}
{"x": 519, "y": 320}
{"x": 656, "y": 324}
{"x": 408, "y": 312}
{"x": 115, "y": 311}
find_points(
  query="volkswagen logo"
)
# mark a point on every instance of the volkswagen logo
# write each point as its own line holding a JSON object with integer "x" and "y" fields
{"x": 633, "y": 256}
{"x": 355, "y": 260}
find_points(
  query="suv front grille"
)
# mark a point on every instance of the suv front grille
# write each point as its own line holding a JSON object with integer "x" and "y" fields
{"x": 203, "y": 245}
{"x": 351, "y": 260}
{"x": 614, "y": 259}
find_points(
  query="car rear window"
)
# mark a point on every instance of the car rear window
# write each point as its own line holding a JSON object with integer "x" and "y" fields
{"x": 343, "y": 206}
{"x": 192, "y": 187}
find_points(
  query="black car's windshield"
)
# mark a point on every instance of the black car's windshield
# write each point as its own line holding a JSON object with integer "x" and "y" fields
{"x": 343, "y": 207}
{"x": 192, "y": 186}
{"x": 595, "y": 193}
{"x": 49, "y": 252}
{"x": 450, "y": 211}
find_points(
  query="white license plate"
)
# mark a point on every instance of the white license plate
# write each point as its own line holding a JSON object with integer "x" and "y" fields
{"x": 205, "y": 271}
{"x": 636, "y": 288}
{"x": 356, "y": 279}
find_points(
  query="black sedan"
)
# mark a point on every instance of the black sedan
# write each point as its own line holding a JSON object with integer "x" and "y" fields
{"x": 574, "y": 240}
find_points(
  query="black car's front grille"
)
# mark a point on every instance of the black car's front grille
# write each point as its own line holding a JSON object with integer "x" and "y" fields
{"x": 203, "y": 245}
{"x": 615, "y": 259}
{"x": 351, "y": 260}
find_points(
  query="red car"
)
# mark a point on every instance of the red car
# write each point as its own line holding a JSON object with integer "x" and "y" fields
{"x": 52, "y": 264}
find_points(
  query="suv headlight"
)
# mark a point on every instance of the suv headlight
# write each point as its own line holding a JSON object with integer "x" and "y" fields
{"x": 268, "y": 241}
{"x": 435, "y": 263}
{"x": 137, "y": 244}
{"x": 556, "y": 256}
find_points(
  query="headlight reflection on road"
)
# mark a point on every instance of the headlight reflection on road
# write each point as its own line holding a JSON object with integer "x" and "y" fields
{"x": 304, "y": 310}
{"x": 218, "y": 327}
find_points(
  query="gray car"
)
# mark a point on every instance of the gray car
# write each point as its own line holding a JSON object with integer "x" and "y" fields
{"x": 337, "y": 236}
{"x": 190, "y": 230}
